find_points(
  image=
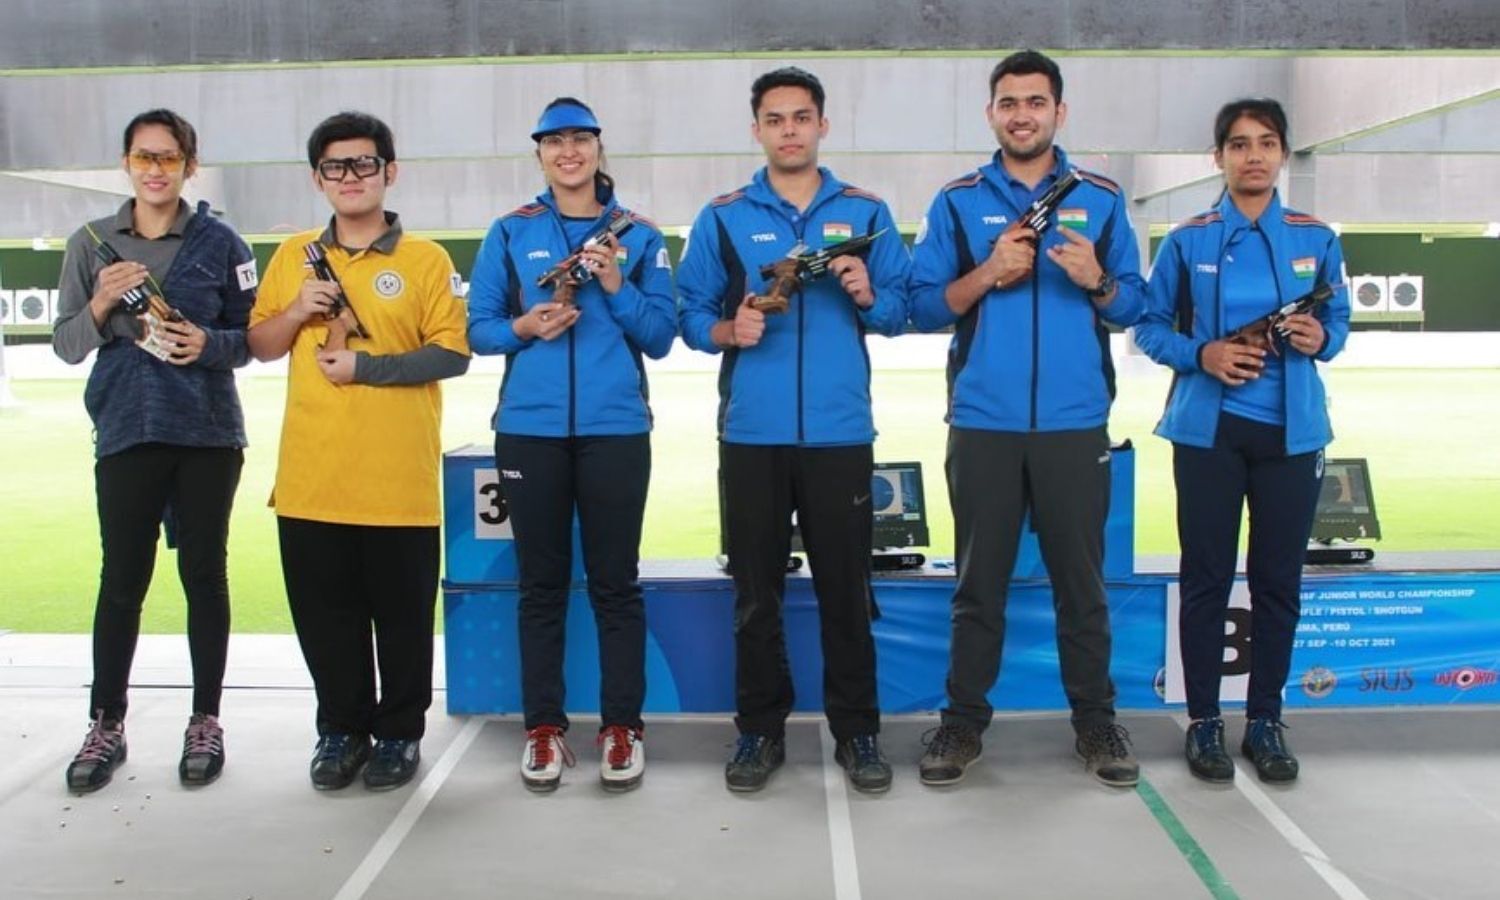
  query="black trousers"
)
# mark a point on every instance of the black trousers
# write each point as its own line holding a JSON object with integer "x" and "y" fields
{"x": 1248, "y": 463}
{"x": 829, "y": 489}
{"x": 344, "y": 580}
{"x": 604, "y": 479}
{"x": 134, "y": 488}
{"x": 1063, "y": 478}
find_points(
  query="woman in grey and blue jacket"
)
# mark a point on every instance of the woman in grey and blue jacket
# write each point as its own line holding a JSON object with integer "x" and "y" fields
{"x": 169, "y": 431}
{"x": 1248, "y": 420}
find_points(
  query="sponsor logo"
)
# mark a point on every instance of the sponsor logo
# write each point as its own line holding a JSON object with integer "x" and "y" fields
{"x": 539, "y": 254}
{"x": 511, "y": 474}
{"x": 456, "y": 284}
{"x": 1395, "y": 681}
{"x": 862, "y": 499}
{"x": 1467, "y": 678}
{"x": 1306, "y": 267}
{"x": 1319, "y": 682}
{"x": 663, "y": 261}
{"x": 388, "y": 284}
{"x": 994, "y": 220}
{"x": 1207, "y": 268}
{"x": 764, "y": 237}
{"x": 246, "y": 274}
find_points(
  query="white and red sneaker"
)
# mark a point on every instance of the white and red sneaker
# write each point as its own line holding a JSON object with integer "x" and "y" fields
{"x": 623, "y": 760}
{"x": 546, "y": 754}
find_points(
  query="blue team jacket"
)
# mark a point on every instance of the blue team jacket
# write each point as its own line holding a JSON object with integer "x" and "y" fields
{"x": 590, "y": 381}
{"x": 807, "y": 382}
{"x": 1184, "y": 312}
{"x": 1034, "y": 356}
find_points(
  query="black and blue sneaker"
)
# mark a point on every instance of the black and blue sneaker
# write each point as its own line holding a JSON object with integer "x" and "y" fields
{"x": 1265, "y": 746}
{"x": 756, "y": 756}
{"x": 868, "y": 770}
{"x": 1207, "y": 757}
{"x": 337, "y": 759}
{"x": 392, "y": 764}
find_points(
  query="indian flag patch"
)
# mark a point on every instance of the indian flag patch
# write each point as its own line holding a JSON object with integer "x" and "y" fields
{"x": 1306, "y": 267}
{"x": 1076, "y": 219}
{"x": 836, "y": 233}
{"x": 622, "y": 254}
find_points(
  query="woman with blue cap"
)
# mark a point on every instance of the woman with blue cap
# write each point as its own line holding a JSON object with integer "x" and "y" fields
{"x": 574, "y": 289}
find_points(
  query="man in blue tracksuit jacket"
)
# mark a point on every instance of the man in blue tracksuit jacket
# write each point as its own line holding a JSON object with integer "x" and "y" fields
{"x": 1030, "y": 383}
{"x": 795, "y": 426}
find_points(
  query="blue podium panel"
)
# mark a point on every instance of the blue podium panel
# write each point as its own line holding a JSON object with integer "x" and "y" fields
{"x": 1119, "y": 527}
{"x": 690, "y": 647}
{"x": 478, "y": 546}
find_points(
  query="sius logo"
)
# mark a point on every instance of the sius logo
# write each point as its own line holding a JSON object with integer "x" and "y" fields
{"x": 995, "y": 220}
{"x": 764, "y": 237}
{"x": 1207, "y": 268}
{"x": 1394, "y": 681}
{"x": 1468, "y": 677}
{"x": 539, "y": 254}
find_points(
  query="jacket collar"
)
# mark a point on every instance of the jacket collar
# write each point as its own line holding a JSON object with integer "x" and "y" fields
{"x": 761, "y": 192}
{"x": 1234, "y": 220}
{"x": 994, "y": 171}
{"x": 605, "y": 196}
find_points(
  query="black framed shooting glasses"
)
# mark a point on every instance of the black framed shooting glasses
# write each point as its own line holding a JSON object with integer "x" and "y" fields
{"x": 361, "y": 166}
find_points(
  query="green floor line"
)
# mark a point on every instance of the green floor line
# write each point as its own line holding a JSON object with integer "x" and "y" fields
{"x": 1208, "y": 873}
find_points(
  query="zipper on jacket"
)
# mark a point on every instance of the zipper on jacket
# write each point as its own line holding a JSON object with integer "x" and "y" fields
{"x": 572, "y": 387}
{"x": 1036, "y": 341}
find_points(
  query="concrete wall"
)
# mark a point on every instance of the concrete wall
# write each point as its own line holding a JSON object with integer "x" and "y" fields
{"x": 68, "y": 33}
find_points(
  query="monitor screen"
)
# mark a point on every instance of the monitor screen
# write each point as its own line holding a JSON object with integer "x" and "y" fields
{"x": 1346, "y": 504}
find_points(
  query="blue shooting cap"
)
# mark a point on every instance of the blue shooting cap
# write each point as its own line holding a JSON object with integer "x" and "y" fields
{"x": 565, "y": 116}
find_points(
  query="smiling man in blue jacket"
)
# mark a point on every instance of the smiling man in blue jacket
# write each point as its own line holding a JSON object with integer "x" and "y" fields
{"x": 1029, "y": 388}
{"x": 795, "y": 426}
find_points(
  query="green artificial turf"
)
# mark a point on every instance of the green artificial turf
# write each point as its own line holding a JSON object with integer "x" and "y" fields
{"x": 1429, "y": 436}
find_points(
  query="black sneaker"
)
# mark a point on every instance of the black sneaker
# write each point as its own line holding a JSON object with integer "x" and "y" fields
{"x": 1265, "y": 746}
{"x": 951, "y": 748}
{"x": 756, "y": 756}
{"x": 1206, "y": 755}
{"x": 393, "y": 764}
{"x": 1105, "y": 751}
{"x": 202, "y": 751}
{"x": 868, "y": 770}
{"x": 337, "y": 760}
{"x": 103, "y": 751}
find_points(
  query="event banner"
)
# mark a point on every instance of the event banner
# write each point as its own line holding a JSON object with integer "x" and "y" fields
{"x": 1377, "y": 640}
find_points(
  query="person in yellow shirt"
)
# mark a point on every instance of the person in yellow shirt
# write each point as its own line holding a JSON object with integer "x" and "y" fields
{"x": 356, "y": 492}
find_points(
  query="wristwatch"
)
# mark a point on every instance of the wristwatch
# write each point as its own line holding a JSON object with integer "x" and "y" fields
{"x": 1102, "y": 289}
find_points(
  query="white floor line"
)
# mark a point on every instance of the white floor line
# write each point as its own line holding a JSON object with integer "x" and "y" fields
{"x": 840, "y": 829}
{"x": 389, "y": 842}
{"x": 1312, "y": 854}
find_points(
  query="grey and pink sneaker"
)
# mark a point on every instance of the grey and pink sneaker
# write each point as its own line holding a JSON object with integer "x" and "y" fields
{"x": 202, "y": 751}
{"x": 103, "y": 751}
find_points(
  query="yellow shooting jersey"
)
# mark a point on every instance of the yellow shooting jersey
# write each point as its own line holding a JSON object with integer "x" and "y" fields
{"x": 356, "y": 453}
